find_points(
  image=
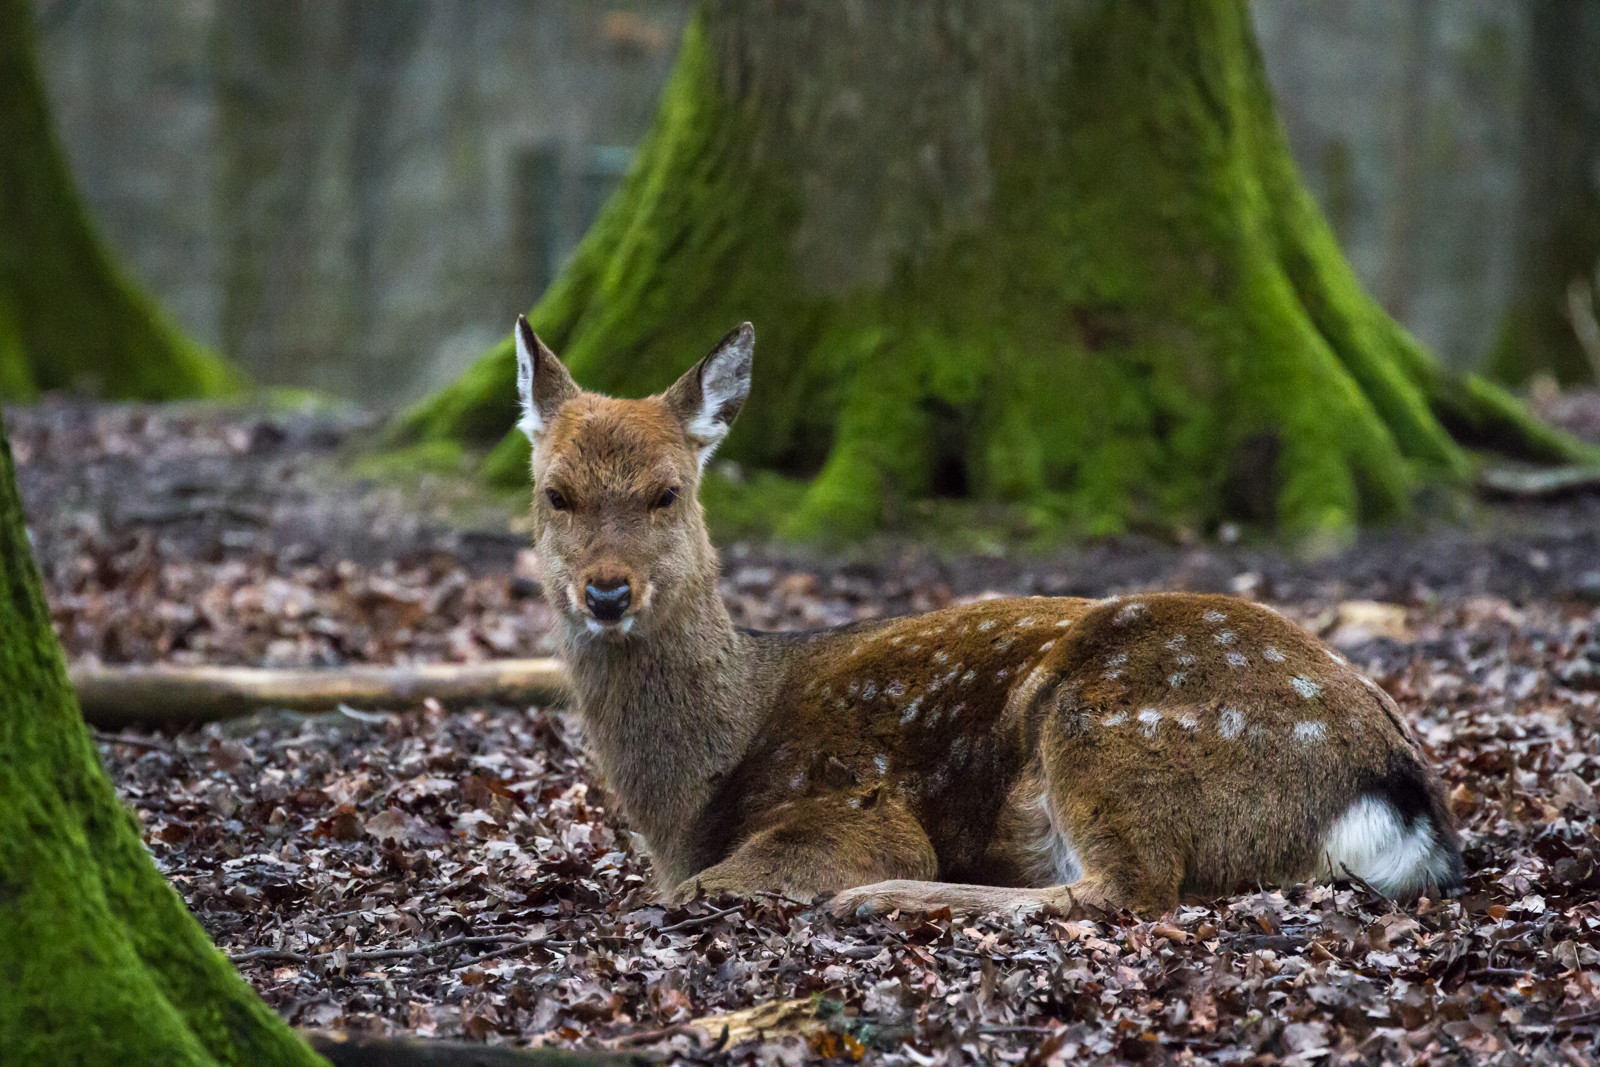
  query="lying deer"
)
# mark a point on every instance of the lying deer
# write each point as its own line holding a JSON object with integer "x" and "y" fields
{"x": 998, "y": 756}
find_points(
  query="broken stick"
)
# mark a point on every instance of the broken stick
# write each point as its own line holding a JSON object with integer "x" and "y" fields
{"x": 172, "y": 695}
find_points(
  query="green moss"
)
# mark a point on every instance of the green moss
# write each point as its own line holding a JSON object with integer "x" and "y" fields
{"x": 1153, "y": 326}
{"x": 100, "y": 962}
{"x": 69, "y": 318}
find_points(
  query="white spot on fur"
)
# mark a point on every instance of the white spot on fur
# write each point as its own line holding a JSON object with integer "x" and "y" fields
{"x": 797, "y": 781}
{"x": 966, "y": 679}
{"x": 986, "y": 624}
{"x": 958, "y": 751}
{"x": 1272, "y": 655}
{"x": 1336, "y": 657}
{"x": 1189, "y": 721}
{"x": 941, "y": 657}
{"x": 1236, "y": 659}
{"x": 1176, "y": 680}
{"x": 1047, "y": 646}
{"x": 911, "y": 710}
{"x": 897, "y": 638}
{"x": 1116, "y": 719}
{"x": 1224, "y": 638}
{"x": 1128, "y": 613}
{"x": 855, "y": 686}
{"x": 856, "y": 651}
{"x": 1000, "y": 675}
{"x": 842, "y": 704}
{"x": 1024, "y": 623}
{"x": 1373, "y": 841}
{"x": 958, "y": 709}
{"x": 1149, "y": 719}
{"x": 1305, "y": 686}
{"x": 1177, "y": 642}
{"x": 895, "y": 689}
{"x": 1214, "y": 616}
{"x": 1230, "y": 723}
{"x": 855, "y": 802}
{"x": 869, "y": 690}
{"x": 1004, "y": 643}
{"x": 1117, "y": 660}
{"x": 914, "y": 648}
{"x": 1307, "y": 732}
{"x": 1063, "y": 623}
{"x": 1183, "y": 659}
{"x": 827, "y": 691}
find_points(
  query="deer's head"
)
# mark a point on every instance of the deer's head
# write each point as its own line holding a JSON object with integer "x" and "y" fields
{"x": 617, "y": 521}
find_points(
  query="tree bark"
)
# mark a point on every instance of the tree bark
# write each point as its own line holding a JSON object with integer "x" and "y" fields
{"x": 1045, "y": 253}
{"x": 1552, "y": 323}
{"x": 99, "y": 960}
{"x": 69, "y": 318}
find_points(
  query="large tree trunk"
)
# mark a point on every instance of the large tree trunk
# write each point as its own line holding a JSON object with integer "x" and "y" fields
{"x": 69, "y": 319}
{"x": 99, "y": 961}
{"x": 1042, "y": 252}
{"x": 1552, "y": 323}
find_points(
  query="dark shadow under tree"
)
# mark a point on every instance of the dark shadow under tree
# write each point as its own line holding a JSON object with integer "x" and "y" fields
{"x": 1051, "y": 254}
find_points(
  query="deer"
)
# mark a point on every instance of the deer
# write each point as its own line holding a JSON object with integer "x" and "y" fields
{"x": 1003, "y": 756}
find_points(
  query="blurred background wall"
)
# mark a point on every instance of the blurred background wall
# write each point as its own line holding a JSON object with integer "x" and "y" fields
{"x": 360, "y": 196}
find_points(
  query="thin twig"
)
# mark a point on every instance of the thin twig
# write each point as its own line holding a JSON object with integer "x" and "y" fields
{"x": 426, "y": 949}
{"x": 698, "y": 920}
{"x": 158, "y": 743}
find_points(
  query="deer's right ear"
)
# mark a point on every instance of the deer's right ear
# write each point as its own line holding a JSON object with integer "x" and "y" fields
{"x": 543, "y": 384}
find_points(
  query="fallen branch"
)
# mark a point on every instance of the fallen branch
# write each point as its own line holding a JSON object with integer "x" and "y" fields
{"x": 168, "y": 695}
{"x": 355, "y": 1050}
{"x": 1538, "y": 482}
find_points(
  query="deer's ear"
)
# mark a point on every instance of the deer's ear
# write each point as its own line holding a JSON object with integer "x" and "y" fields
{"x": 708, "y": 398}
{"x": 543, "y": 384}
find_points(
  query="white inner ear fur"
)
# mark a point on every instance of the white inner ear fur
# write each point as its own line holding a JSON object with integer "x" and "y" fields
{"x": 531, "y": 423}
{"x": 724, "y": 385}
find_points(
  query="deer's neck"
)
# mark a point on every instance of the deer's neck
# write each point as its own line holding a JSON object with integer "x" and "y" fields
{"x": 667, "y": 710}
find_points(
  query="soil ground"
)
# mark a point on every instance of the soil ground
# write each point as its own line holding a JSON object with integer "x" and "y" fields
{"x": 458, "y": 874}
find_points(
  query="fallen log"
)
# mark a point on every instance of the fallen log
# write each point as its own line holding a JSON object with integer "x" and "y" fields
{"x": 173, "y": 695}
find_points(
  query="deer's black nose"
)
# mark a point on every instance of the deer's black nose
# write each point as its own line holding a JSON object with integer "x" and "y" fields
{"x": 607, "y": 602}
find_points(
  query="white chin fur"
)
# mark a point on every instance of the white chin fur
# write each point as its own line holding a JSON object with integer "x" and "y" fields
{"x": 599, "y": 628}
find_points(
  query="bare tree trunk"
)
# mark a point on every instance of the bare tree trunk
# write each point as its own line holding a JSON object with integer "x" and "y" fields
{"x": 1552, "y": 324}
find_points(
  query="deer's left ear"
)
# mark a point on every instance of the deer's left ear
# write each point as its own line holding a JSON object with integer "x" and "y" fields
{"x": 708, "y": 398}
{"x": 543, "y": 384}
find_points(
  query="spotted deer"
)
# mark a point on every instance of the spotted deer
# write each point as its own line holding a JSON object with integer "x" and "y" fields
{"x": 999, "y": 756}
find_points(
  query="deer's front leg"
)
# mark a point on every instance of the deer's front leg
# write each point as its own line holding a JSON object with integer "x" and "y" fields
{"x": 819, "y": 846}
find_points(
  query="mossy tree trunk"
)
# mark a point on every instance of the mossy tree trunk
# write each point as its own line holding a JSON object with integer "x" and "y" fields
{"x": 1556, "y": 300}
{"x": 1042, "y": 252}
{"x": 99, "y": 961}
{"x": 69, "y": 319}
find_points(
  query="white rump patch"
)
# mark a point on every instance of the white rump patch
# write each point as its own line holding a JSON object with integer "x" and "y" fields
{"x": 1272, "y": 655}
{"x": 1305, "y": 686}
{"x": 1372, "y": 840}
{"x": 1307, "y": 732}
{"x": 1149, "y": 719}
{"x": 1230, "y": 723}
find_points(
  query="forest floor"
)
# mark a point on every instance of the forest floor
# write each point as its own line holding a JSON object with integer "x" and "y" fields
{"x": 460, "y": 875}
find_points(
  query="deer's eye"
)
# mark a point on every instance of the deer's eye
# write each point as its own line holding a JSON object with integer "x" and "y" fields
{"x": 665, "y": 499}
{"x": 557, "y": 501}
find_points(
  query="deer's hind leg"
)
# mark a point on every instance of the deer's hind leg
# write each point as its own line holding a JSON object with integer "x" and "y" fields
{"x": 818, "y": 846}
